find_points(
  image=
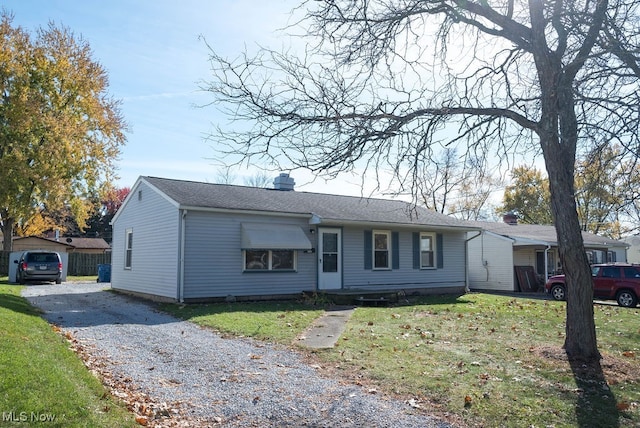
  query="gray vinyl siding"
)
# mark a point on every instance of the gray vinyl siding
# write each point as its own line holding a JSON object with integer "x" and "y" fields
{"x": 491, "y": 262}
{"x": 620, "y": 254}
{"x": 155, "y": 225}
{"x": 452, "y": 273}
{"x": 214, "y": 263}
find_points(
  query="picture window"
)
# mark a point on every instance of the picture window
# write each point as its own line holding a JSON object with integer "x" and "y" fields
{"x": 269, "y": 260}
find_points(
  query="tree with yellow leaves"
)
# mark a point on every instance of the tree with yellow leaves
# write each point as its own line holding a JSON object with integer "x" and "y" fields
{"x": 60, "y": 131}
{"x": 528, "y": 196}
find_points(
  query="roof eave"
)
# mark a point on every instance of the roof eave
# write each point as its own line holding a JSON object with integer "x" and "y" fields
{"x": 386, "y": 224}
{"x": 243, "y": 211}
{"x": 527, "y": 241}
{"x": 320, "y": 221}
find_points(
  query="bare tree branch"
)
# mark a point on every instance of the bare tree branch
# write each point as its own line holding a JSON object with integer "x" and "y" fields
{"x": 388, "y": 85}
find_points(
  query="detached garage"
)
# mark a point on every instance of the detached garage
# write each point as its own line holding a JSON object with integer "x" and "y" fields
{"x": 509, "y": 256}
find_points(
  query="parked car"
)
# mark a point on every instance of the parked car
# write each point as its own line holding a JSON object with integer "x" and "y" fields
{"x": 611, "y": 281}
{"x": 39, "y": 265}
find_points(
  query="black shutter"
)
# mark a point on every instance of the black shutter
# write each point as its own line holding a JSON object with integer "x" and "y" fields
{"x": 395, "y": 250}
{"x": 416, "y": 250}
{"x": 368, "y": 250}
{"x": 440, "y": 250}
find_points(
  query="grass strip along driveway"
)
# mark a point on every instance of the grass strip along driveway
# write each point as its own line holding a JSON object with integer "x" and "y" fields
{"x": 42, "y": 381}
{"x": 483, "y": 360}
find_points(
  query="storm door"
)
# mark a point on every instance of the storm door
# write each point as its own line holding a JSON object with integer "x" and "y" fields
{"x": 329, "y": 259}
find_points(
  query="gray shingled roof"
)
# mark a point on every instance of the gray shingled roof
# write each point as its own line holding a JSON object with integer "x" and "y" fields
{"x": 330, "y": 208}
{"x": 79, "y": 243}
{"x": 87, "y": 243}
{"x": 542, "y": 233}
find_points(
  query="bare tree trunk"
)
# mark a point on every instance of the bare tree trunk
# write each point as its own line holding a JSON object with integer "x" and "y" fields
{"x": 580, "y": 337}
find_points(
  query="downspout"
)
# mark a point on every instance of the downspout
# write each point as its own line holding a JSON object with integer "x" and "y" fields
{"x": 181, "y": 263}
{"x": 546, "y": 263}
{"x": 466, "y": 260}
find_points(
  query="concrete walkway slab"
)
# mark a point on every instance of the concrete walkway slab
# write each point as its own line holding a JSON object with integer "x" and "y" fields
{"x": 326, "y": 330}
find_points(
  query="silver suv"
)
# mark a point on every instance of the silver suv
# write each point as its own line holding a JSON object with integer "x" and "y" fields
{"x": 39, "y": 265}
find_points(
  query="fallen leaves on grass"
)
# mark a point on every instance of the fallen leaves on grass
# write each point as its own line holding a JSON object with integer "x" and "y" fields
{"x": 467, "y": 401}
{"x": 622, "y": 406}
{"x": 615, "y": 369}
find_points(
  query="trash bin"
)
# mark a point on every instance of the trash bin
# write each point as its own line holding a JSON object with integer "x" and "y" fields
{"x": 104, "y": 273}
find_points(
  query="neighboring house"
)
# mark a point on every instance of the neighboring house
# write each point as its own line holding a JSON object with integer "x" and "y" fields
{"x": 38, "y": 243}
{"x": 190, "y": 241}
{"x": 62, "y": 244}
{"x": 88, "y": 245}
{"x": 633, "y": 253}
{"x": 65, "y": 246}
{"x": 509, "y": 256}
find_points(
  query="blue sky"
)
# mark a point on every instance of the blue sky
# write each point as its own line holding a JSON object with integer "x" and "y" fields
{"x": 155, "y": 61}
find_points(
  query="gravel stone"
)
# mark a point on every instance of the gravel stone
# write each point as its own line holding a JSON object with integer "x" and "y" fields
{"x": 208, "y": 379}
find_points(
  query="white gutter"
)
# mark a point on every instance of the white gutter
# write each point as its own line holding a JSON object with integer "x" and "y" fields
{"x": 546, "y": 262}
{"x": 466, "y": 260}
{"x": 245, "y": 211}
{"x": 527, "y": 241}
{"x": 315, "y": 219}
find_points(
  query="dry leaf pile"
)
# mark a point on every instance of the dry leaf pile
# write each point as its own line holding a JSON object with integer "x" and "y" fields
{"x": 147, "y": 411}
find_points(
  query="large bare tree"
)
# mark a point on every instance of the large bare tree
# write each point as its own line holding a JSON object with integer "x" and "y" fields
{"x": 385, "y": 84}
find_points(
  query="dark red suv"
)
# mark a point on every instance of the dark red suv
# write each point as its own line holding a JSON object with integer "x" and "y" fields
{"x": 611, "y": 281}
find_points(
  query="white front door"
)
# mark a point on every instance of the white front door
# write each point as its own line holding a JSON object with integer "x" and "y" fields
{"x": 329, "y": 259}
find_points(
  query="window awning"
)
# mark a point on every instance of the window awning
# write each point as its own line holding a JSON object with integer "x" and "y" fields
{"x": 263, "y": 236}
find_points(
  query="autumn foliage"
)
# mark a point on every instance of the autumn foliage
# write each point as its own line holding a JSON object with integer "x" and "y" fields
{"x": 60, "y": 131}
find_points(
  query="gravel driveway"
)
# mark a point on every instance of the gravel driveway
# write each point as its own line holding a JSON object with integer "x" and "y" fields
{"x": 202, "y": 379}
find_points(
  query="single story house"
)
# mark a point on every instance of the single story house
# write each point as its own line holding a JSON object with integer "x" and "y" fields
{"x": 62, "y": 244}
{"x": 633, "y": 253}
{"x": 189, "y": 241}
{"x": 88, "y": 245}
{"x": 508, "y": 256}
{"x": 38, "y": 243}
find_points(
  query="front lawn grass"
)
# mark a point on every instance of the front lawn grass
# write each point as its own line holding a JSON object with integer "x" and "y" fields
{"x": 278, "y": 322}
{"x": 488, "y": 360}
{"x": 42, "y": 381}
